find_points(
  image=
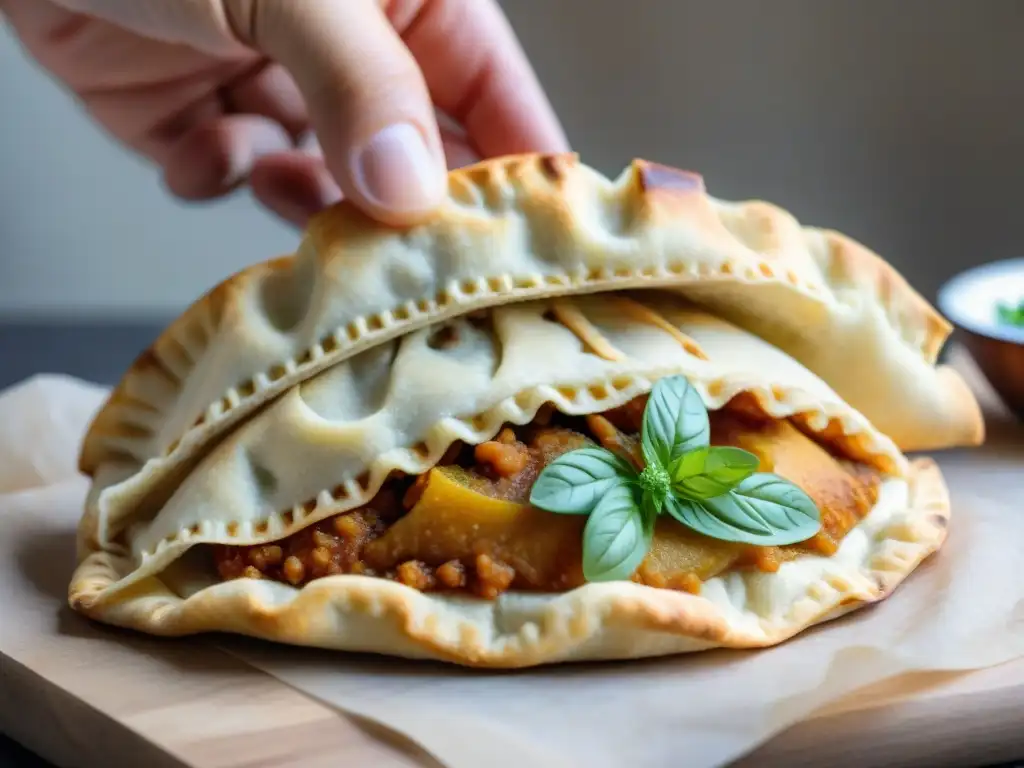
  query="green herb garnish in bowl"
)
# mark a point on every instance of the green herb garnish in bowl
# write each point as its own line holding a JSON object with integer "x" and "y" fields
{"x": 1009, "y": 314}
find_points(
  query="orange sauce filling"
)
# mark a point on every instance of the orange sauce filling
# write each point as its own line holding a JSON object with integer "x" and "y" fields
{"x": 466, "y": 525}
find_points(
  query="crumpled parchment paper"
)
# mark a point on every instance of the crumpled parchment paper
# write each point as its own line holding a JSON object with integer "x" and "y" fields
{"x": 962, "y": 610}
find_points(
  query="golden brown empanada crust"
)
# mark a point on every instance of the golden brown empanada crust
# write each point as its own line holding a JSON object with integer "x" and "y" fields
{"x": 298, "y": 461}
{"x": 284, "y": 365}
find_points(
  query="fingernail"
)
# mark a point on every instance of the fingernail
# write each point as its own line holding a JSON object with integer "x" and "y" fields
{"x": 395, "y": 170}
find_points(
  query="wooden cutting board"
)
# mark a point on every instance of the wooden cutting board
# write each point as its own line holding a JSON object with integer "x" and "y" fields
{"x": 82, "y": 695}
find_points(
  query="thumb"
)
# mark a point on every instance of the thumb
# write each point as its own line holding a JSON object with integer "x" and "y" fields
{"x": 367, "y": 98}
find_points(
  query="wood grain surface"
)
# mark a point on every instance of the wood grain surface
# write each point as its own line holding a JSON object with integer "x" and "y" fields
{"x": 82, "y": 695}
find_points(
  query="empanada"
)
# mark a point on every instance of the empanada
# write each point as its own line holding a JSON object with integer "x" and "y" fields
{"x": 340, "y": 449}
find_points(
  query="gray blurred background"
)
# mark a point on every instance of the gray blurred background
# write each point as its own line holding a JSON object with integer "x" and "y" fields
{"x": 899, "y": 122}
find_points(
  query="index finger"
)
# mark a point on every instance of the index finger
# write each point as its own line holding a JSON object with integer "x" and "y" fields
{"x": 478, "y": 73}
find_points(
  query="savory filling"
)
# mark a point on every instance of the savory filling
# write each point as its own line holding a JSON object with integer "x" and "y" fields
{"x": 467, "y": 525}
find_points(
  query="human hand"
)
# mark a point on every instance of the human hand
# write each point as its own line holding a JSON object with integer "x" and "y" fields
{"x": 219, "y": 93}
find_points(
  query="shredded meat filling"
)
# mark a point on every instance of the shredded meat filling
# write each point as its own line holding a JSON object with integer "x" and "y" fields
{"x": 466, "y": 525}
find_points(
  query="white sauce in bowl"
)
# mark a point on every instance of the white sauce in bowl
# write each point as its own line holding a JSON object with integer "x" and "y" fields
{"x": 971, "y": 299}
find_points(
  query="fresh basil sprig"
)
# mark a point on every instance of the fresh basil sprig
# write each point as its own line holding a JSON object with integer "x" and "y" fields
{"x": 714, "y": 490}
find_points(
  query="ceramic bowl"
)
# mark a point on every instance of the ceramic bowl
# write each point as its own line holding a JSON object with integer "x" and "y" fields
{"x": 970, "y": 302}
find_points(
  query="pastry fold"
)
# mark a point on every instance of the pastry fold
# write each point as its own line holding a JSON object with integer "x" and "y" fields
{"x": 325, "y": 447}
{"x": 516, "y": 229}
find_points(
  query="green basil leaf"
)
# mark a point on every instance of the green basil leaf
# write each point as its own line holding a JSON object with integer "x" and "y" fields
{"x": 713, "y": 471}
{"x": 651, "y": 504}
{"x": 675, "y": 421}
{"x": 690, "y": 464}
{"x": 763, "y": 509}
{"x": 615, "y": 538}
{"x": 574, "y": 482}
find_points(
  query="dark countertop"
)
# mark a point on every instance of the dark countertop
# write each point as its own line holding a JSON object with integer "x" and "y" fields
{"x": 91, "y": 350}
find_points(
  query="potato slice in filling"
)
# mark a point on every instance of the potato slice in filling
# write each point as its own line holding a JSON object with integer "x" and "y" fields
{"x": 467, "y": 525}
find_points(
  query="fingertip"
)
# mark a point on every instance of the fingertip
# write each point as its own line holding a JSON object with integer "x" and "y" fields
{"x": 217, "y": 156}
{"x": 459, "y": 154}
{"x": 479, "y": 73}
{"x": 368, "y": 103}
{"x": 396, "y": 176}
{"x": 458, "y": 149}
{"x": 295, "y": 185}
